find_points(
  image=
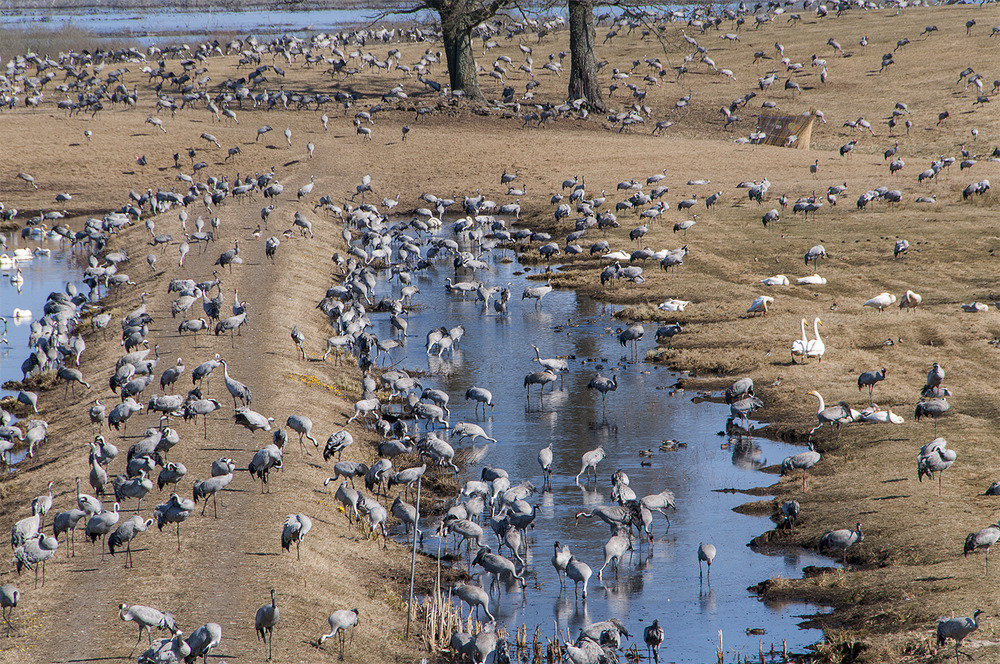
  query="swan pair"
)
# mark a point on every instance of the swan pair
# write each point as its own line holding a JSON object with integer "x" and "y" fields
{"x": 805, "y": 347}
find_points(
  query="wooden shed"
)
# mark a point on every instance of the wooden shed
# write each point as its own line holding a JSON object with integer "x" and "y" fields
{"x": 790, "y": 131}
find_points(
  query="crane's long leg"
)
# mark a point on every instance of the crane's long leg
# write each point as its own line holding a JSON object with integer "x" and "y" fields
{"x": 178, "y": 535}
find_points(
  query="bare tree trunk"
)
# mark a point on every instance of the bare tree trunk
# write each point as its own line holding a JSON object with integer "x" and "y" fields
{"x": 583, "y": 64}
{"x": 456, "y": 29}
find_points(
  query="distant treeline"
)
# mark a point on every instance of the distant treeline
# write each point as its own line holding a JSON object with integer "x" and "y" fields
{"x": 228, "y": 5}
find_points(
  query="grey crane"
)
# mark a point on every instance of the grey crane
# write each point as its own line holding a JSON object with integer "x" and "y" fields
{"x": 203, "y": 640}
{"x": 933, "y": 408}
{"x": 838, "y": 415}
{"x": 377, "y": 474}
{"x": 66, "y": 522}
{"x": 25, "y": 529}
{"x": 935, "y": 377}
{"x": 407, "y": 477}
{"x": 496, "y": 565}
{"x": 474, "y": 596}
{"x": 336, "y": 443}
{"x": 264, "y": 623}
{"x": 348, "y": 469}
{"x": 237, "y": 389}
{"x": 545, "y": 461}
{"x": 348, "y": 497}
{"x": 589, "y": 461}
{"x": 841, "y": 540}
{"x": 41, "y": 505}
{"x": 204, "y": 371}
{"x": 265, "y": 460}
{"x": 560, "y": 558}
{"x": 802, "y": 460}
{"x": 815, "y": 253}
{"x": 617, "y": 517}
{"x": 740, "y": 389}
{"x": 481, "y": 396}
{"x": 210, "y": 488}
{"x": 120, "y": 414}
{"x": 146, "y": 618}
{"x": 252, "y": 420}
{"x": 578, "y": 572}
{"x": 467, "y": 530}
{"x": 171, "y": 473}
{"x": 603, "y": 385}
{"x": 632, "y": 335}
{"x": 302, "y": 425}
{"x": 125, "y": 533}
{"x": 136, "y": 487}
{"x": 659, "y": 502}
{"x": 935, "y": 457}
{"x": 33, "y": 553}
{"x": 101, "y": 524}
{"x": 223, "y": 466}
{"x": 744, "y": 408}
{"x": 555, "y": 365}
{"x": 469, "y": 430}
{"x": 341, "y": 621}
{"x": 405, "y": 512}
{"x": 869, "y": 379}
{"x": 170, "y": 376}
{"x": 957, "y": 628}
{"x": 706, "y": 552}
{"x": 653, "y": 636}
{"x": 295, "y": 529}
{"x": 9, "y": 597}
{"x": 540, "y": 378}
{"x": 789, "y": 511}
{"x": 28, "y": 399}
{"x": 299, "y": 340}
{"x": 175, "y": 510}
{"x": 97, "y": 412}
{"x": 85, "y": 502}
{"x": 983, "y": 539}
{"x": 537, "y": 293}
{"x": 614, "y": 549}
{"x": 166, "y": 650}
{"x": 203, "y": 407}
{"x": 271, "y": 247}
{"x": 71, "y": 376}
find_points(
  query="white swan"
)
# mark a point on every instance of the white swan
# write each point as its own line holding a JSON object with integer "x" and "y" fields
{"x": 760, "y": 305}
{"x": 881, "y": 301}
{"x": 21, "y": 315}
{"x": 673, "y": 305}
{"x": 23, "y": 254}
{"x": 814, "y": 280}
{"x": 616, "y": 256}
{"x": 6, "y": 262}
{"x": 777, "y": 280}
{"x": 816, "y": 347}
{"x": 17, "y": 279}
{"x": 873, "y": 414}
{"x": 800, "y": 346}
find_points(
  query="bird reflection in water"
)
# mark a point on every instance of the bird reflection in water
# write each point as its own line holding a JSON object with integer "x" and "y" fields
{"x": 747, "y": 454}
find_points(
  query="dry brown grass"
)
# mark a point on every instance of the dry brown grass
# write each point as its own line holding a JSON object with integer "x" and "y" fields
{"x": 908, "y": 570}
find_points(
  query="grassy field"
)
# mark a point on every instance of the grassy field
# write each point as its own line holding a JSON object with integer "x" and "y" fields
{"x": 908, "y": 571}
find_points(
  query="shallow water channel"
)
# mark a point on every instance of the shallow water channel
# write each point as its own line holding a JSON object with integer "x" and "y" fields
{"x": 42, "y": 275}
{"x": 658, "y": 582}
{"x": 146, "y": 26}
